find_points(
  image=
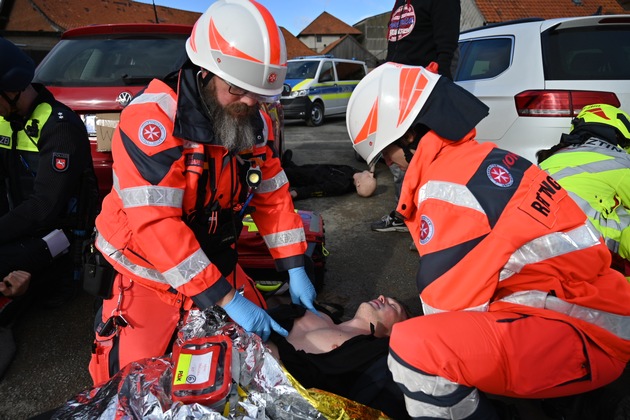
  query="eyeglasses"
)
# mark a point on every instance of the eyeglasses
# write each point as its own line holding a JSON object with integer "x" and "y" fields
{"x": 235, "y": 90}
{"x": 240, "y": 92}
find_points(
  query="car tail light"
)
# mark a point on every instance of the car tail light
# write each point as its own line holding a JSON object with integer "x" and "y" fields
{"x": 560, "y": 103}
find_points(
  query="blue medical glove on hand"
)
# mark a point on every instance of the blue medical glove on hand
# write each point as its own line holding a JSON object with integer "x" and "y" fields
{"x": 301, "y": 289}
{"x": 252, "y": 318}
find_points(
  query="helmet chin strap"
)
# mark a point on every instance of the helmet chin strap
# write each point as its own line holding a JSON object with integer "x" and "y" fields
{"x": 418, "y": 131}
{"x": 202, "y": 82}
{"x": 13, "y": 102}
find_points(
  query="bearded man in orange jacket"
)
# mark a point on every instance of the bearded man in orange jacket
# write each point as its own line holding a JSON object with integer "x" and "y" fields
{"x": 189, "y": 161}
{"x": 518, "y": 295}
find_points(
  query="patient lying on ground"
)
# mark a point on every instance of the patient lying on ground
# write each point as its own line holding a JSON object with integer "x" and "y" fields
{"x": 347, "y": 358}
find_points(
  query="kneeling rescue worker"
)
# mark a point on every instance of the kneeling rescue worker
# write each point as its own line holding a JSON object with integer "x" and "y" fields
{"x": 518, "y": 295}
{"x": 592, "y": 163}
{"x": 189, "y": 161}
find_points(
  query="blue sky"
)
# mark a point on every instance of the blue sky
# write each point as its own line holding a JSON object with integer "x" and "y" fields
{"x": 295, "y": 15}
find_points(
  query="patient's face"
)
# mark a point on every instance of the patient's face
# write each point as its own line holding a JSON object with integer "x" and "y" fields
{"x": 383, "y": 312}
{"x": 365, "y": 183}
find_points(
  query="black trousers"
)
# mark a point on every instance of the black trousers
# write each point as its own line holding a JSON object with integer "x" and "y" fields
{"x": 31, "y": 255}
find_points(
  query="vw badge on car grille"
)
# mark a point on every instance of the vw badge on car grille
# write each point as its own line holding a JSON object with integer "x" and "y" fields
{"x": 124, "y": 98}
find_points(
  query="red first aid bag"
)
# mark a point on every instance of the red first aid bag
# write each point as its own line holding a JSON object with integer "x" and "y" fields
{"x": 256, "y": 261}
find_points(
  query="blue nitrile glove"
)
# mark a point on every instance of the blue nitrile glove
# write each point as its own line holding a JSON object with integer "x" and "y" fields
{"x": 301, "y": 289}
{"x": 252, "y": 318}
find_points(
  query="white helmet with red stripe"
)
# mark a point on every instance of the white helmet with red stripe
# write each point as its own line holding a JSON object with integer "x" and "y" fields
{"x": 239, "y": 41}
{"x": 393, "y": 97}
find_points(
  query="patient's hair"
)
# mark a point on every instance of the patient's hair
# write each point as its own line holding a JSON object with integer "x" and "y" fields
{"x": 404, "y": 306}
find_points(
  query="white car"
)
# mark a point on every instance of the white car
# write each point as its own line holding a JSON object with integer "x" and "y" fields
{"x": 535, "y": 75}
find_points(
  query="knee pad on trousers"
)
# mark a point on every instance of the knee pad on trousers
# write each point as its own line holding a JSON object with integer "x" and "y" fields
{"x": 431, "y": 396}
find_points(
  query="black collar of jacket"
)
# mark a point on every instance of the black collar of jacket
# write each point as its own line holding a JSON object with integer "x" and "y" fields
{"x": 191, "y": 121}
{"x": 451, "y": 111}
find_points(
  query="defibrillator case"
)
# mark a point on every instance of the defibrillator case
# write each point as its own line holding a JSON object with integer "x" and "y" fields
{"x": 255, "y": 259}
{"x": 202, "y": 371}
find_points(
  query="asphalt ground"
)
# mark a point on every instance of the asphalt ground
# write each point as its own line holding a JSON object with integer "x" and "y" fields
{"x": 54, "y": 344}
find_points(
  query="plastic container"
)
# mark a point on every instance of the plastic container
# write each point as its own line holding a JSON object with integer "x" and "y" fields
{"x": 202, "y": 371}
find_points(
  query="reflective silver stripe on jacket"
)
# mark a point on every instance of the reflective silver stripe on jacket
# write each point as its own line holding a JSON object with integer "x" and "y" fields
{"x": 287, "y": 237}
{"x": 149, "y": 195}
{"x": 163, "y": 100}
{"x": 618, "y": 325}
{"x": 175, "y": 277}
{"x": 450, "y": 192}
{"x": 434, "y": 386}
{"x": 591, "y": 168}
{"x": 430, "y": 310}
{"x": 549, "y": 246}
{"x": 273, "y": 184}
{"x": 609, "y": 226}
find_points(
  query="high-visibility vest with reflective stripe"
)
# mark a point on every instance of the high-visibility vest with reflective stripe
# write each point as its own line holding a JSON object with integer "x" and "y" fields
{"x": 488, "y": 224}
{"x": 597, "y": 175}
{"x": 25, "y": 142}
{"x": 26, "y": 145}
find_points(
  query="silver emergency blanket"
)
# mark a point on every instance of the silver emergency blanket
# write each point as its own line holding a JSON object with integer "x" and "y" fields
{"x": 142, "y": 389}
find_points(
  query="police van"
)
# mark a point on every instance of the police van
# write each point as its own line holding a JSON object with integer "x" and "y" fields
{"x": 318, "y": 86}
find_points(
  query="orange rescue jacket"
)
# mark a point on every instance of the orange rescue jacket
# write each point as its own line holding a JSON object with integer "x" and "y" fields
{"x": 495, "y": 232}
{"x": 144, "y": 229}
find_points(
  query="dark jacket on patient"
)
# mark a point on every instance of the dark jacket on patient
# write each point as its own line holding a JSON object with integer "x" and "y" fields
{"x": 356, "y": 370}
{"x": 320, "y": 180}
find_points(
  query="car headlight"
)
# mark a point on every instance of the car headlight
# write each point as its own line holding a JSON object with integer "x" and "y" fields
{"x": 297, "y": 93}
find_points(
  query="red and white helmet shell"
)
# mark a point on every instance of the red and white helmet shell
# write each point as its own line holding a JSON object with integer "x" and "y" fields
{"x": 384, "y": 105}
{"x": 239, "y": 41}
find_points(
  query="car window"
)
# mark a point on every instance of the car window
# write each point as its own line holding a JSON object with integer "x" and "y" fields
{"x": 302, "y": 69}
{"x": 327, "y": 72}
{"x": 591, "y": 52}
{"x": 350, "y": 71}
{"x": 483, "y": 58}
{"x": 110, "y": 62}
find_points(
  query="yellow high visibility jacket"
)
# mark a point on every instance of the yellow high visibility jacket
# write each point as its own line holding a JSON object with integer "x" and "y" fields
{"x": 597, "y": 176}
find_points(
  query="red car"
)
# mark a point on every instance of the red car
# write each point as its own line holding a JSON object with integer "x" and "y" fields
{"x": 96, "y": 70}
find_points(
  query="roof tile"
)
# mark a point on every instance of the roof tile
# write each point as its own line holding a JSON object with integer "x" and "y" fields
{"x": 57, "y": 16}
{"x": 295, "y": 47}
{"x": 327, "y": 24}
{"x": 503, "y": 10}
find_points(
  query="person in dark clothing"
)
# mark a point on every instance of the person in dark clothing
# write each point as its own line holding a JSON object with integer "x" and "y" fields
{"x": 419, "y": 32}
{"x": 45, "y": 171}
{"x": 346, "y": 358}
{"x": 325, "y": 180}
{"x": 422, "y": 31}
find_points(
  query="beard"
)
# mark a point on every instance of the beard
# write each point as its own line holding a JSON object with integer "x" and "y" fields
{"x": 233, "y": 123}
